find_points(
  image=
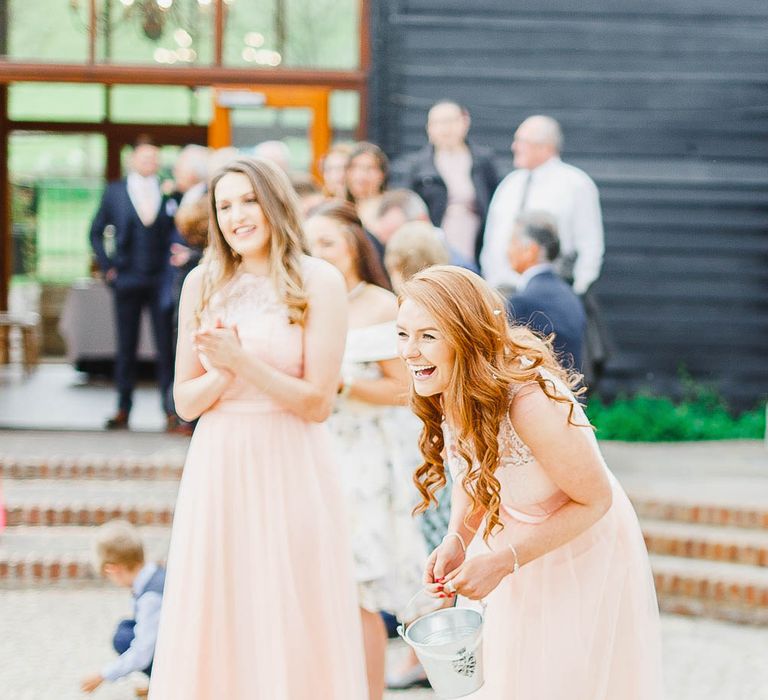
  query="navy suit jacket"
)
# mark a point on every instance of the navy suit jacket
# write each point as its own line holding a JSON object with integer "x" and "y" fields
{"x": 549, "y": 305}
{"x": 141, "y": 252}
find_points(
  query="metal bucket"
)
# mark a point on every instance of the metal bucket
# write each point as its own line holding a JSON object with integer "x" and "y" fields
{"x": 449, "y": 644}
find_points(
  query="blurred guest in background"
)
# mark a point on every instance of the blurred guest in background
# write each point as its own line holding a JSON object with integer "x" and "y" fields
{"x": 142, "y": 221}
{"x": 333, "y": 167}
{"x": 542, "y": 182}
{"x": 219, "y": 158}
{"x": 386, "y": 543}
{"x": 542, "y": 300}
{"x": 455, "y": 178}
{"x": 190, "y": 174}
{"x": 401, "y": 206}
{"x": 415, "y": 246}
{"x": 275, "y": 151}
{"x": 310, "y": 193}
{"x": 366, "y": 179}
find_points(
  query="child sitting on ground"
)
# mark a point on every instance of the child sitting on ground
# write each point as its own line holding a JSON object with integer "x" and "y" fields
{"x": 120, "y": 555}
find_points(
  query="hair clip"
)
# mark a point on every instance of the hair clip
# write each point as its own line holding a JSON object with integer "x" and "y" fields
{"x": 497, "y": 312}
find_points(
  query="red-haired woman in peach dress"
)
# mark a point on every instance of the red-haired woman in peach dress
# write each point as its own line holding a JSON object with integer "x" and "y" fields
{"x": 540, "y": 528}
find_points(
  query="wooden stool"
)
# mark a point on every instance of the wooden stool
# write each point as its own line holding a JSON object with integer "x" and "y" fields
{"x": 28, "y": 325}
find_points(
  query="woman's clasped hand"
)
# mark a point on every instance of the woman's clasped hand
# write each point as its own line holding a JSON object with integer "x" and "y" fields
{"x": 221, "y": 346}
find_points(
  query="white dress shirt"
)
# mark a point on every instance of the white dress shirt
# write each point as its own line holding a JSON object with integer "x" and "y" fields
{"x": 142, "y": 650}
{"x": 565, "y": 192}
{"x": 145, "y": 195}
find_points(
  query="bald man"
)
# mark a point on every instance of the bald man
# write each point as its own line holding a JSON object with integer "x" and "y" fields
{"x": 542, "y": 182}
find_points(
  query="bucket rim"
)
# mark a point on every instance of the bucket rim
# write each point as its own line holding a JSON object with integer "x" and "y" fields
{"x": 407, "y": 628}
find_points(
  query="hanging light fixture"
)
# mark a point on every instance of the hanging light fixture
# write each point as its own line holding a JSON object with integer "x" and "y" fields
{"x": 152, "y": 15}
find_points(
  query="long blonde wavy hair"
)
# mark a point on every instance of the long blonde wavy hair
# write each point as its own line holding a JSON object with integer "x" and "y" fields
{"x": 491, "y": 358}
{"x": 287, "y": 242}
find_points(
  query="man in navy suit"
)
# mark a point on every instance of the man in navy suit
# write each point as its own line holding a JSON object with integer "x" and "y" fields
{"x": 542, "y": 300}
{"x": 142, "y": 221}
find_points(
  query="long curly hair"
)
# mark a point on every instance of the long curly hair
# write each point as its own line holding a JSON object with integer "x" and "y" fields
{"x": 287, "y": 244}
{"x": 491, "y": 358}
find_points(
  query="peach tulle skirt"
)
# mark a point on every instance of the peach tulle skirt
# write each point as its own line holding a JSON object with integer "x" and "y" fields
{"x": 260, "y": 601}
{"x": 580, "y": 623}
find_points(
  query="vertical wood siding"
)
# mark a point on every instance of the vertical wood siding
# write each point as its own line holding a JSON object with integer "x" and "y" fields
{"x": 665, "y": 104}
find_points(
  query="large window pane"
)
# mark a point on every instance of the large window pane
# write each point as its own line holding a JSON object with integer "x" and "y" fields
{"x": 202, "y": 106}
{"x": 56, "y": 184}
{"x": 321, "y": 34}
{"x": 56, "y": 102}
{"x": 147, "y": 103}
{"x": 345, "y": 114}
{"x": 292, "y": 33}
{"x": 44, "y": 31}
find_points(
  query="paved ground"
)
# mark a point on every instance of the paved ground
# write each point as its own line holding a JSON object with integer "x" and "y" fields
{"x": 56, "y": 397}
{"x": 50, "y": 639}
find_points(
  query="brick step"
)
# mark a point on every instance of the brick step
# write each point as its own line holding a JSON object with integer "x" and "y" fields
{"x": 735, "y": 592}
{"x": 707, "y": 509}
{"x": 65, "y": 554}
{"x": 32, "y": 502}
{"x": 44, "y": 556}
{"x": 704, "y": 513}
{"x": 92, "y": 467}
{"x": 710, "y": 542}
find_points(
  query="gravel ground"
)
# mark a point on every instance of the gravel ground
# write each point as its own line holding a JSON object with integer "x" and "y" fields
{"x": 49, "y": 639}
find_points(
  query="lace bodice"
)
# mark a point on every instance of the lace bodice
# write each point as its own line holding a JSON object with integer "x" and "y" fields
{"x": 527, "y": 492}
{"x": 251, "y": 303}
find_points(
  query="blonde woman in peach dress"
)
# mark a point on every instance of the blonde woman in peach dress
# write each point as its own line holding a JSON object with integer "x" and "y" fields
{"x": 540, "y": 529}
{"x": 260, "y": 599}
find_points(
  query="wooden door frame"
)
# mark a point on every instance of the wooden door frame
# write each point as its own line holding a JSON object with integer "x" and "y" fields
{"x": 315, "y": 98}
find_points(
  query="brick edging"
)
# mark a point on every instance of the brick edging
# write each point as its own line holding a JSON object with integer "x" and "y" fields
{"x": 732, "y": 516}
{"x": 33, "y": 516}
{"x": 89, "y": 467}
{"x": 705, "y": 549}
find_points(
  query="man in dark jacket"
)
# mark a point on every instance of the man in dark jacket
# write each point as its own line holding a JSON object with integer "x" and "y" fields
{"x": 137, "y": 210}
{"x": 542, "y": 300}
{"x": 456, "y": 179}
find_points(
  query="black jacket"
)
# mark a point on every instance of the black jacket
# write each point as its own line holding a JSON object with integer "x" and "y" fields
{"x": 417, "y": 172}
{"x": 141, "y": 252}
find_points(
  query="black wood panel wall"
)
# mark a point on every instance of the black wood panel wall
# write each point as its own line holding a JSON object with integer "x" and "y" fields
{"x": 665, "y": 104}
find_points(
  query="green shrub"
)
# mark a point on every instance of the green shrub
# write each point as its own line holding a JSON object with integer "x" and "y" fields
{"x": 700, "y": 415}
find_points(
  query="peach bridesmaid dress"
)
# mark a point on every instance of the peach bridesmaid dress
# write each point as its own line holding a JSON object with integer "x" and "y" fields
{"x": 260, "y": 600}
{"x": 581, "y": 622}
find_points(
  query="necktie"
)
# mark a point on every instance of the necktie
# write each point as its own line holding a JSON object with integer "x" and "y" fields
{"x": 526, "y": 190}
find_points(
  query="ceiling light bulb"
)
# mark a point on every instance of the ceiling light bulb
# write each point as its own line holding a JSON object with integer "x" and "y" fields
{"x": 254, "y": 39}
{"x": 183, "y": 38}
